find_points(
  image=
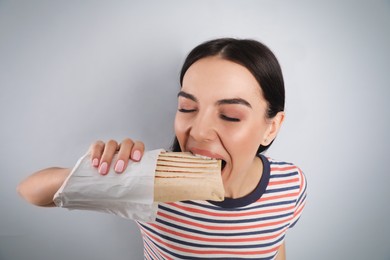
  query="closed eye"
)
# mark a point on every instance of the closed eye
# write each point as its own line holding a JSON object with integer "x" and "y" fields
{"x": 230, "y": 119}
{"x": 186, "y": 110}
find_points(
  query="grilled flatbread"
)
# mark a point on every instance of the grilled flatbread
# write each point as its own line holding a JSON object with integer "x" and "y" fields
{"x": 182, "y": 176}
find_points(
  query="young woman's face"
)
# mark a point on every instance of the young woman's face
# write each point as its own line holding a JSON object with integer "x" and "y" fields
{"x": 222, "y": 114}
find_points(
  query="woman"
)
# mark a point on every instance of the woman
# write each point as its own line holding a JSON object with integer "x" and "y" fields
{"x": 230, "y": 107}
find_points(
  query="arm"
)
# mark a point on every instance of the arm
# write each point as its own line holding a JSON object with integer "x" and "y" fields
{"x": 40, "y": 187}
{"x": 281, "y": 252}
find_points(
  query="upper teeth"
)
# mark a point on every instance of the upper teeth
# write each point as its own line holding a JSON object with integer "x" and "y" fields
{"x": 203, "y": 156}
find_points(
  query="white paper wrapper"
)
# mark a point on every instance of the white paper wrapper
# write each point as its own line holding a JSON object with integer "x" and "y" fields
{"x": 128, "y": 195}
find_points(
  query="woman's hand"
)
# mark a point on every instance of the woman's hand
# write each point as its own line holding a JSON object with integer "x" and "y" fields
{"x": 102, "y": 154}
{"x": 40, "y": 187}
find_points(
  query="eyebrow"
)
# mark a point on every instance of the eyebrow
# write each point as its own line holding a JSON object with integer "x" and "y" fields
{"x": 187, "y": 95}
{"x": 228, "y": 101}
{"x": 234, "y": 101}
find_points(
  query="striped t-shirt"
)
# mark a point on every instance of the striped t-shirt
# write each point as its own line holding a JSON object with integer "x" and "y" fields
{"x": 251, "y": 227}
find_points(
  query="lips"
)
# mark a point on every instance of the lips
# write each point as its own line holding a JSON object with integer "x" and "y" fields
{"x": 208, "y": 154}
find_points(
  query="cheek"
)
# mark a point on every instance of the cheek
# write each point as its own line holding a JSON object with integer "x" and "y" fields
{"x": 180, "y": 124}
{"x": 244, "y": 140}
{"x": 180, "y": 130}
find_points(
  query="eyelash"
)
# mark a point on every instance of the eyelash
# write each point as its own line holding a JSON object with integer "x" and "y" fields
{"x": 186, "y": 110}
{"x": 230, "y": 119}
{"x": 223, "y": 117}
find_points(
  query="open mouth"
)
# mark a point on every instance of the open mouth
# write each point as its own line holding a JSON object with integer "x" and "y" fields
{"x": 223, "y": 164}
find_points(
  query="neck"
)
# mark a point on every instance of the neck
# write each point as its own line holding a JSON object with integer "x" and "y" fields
{"x": 242, "y": 184}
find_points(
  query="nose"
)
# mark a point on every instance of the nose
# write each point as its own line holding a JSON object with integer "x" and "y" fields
{"x": 203, "y": 128}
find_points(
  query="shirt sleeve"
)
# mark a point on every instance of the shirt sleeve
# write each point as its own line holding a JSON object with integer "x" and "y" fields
{"x": 301, "y": 198}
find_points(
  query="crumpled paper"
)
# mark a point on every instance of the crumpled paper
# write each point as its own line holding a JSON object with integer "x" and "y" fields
{"x": 128, "y": 195}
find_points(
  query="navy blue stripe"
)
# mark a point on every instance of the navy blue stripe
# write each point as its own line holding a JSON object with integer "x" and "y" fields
{"x": 296, "y": 187}
{"x": 302, "y": 199}
{"x": 295, "y": 222}
{"x": 208, "y": 220}
{"x": 283, "y": 175}
{"x": 153, "y": 254}
{"x": 303, "y": 194}
{"x": 216, "y": 208}
{"x": 280, "y": 163}
{"x": 199, "y": 232}
{"x": 146, "y": 252}
{"x": 273, "y": 204}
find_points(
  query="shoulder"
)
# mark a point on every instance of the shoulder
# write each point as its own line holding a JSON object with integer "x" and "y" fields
{"x": 284, "y": 169}
{"x": 283, "y": 174}
{"x": 287, "y": 181}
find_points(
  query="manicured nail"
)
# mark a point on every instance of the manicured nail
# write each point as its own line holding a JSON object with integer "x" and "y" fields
{"x": 103, "y": 168}
{"x": 119, "y": 166}
{"x": 136, "y": 155}
{"x": 95, "y": 162}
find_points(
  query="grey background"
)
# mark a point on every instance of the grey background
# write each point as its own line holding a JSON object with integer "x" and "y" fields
{"x": 72, "y": 72}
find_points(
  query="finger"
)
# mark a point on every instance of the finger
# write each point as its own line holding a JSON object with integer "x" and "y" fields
{"x": 108, "y": 153}
{"x": 96, "y": 151}
{"x": 123, "y": 155}
{"x": 137, "y": 151}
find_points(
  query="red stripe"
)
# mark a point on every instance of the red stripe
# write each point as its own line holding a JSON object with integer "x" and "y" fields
{"x": 288, "y": 195}
{"x": 301, "y": 207}
{"x": 283, "y": 168}
{"x": 155, "y": 250}
{"x": 271, "y": 183}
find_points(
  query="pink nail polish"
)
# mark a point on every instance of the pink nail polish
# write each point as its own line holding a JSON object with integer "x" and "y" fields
{"x": 136, "y": 155}
{"x": 95, "y": 162}
{"x": 103, "y": 168}
{"x": 119, "y": 166}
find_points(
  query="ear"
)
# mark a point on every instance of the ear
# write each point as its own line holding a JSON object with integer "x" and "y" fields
{"x": 273, "y": 128}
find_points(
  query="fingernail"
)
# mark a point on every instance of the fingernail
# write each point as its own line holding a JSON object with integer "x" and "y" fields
{"x": 95, "y": 162}
{"x": 136, "y": 155}
{"x": 103, "y": 168}
{"x": 119, "y": 166}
